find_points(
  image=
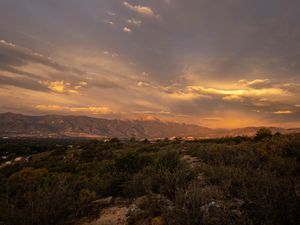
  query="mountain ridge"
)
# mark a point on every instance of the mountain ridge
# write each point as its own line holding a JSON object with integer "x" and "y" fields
{"x": 19, "y": 125}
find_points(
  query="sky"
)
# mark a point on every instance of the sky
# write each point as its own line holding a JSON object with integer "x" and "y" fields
{"x": 229, "y": 63}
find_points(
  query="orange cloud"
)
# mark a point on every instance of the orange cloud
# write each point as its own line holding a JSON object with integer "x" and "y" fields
{"x": 253, "y": 82}
{"x": 143, "y": 10}
{"x": 283, "y": 112}
{"x": 234, "y": 98}
{"x": 249, "y": 92}
{"x": 63, "y": 87}
{"x": 99, "y": 110}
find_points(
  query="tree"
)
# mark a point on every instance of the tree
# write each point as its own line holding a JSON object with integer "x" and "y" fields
{"x": 263, "y": 133}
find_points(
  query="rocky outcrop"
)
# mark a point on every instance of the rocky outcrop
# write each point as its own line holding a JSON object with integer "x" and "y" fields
{"x": 115, "y": 215}
{"x": 215, "y": 211}
{"x": 122, "y": 212}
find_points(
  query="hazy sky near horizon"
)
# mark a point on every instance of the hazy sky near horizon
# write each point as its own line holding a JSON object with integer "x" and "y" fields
{"x": 229, "y": 63}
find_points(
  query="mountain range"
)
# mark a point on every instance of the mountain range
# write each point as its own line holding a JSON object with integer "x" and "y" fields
{"x": 18, "y": 125}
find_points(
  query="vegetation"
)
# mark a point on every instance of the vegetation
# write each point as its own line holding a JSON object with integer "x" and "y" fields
{"x": 238, "y": 180}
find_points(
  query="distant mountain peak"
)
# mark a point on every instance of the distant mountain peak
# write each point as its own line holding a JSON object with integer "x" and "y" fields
{"x": 18, "y": 125}
{"x": 149, "y": 118}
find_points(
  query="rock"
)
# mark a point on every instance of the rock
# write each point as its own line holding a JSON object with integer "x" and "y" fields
{"x": 121, "y": 201}
{"x": 122, "y": 212}
{"x": 216, "y": 212}
{"x": 103, "y": 201}
{"x": 8, "y": 163}
{"x": 139, "y": 209}
{"x": 135, "y": 211}
{"x": 135, "y": 214}
{"x": 111, "y": 216}
{"x": 18, "y": 159}
{"x": 141, "y": 202}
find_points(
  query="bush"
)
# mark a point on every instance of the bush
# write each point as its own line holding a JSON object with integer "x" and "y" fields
{"x": 189, "y": 203}
{"x": 44, "y": 199}
{"x": 262, "y": 134}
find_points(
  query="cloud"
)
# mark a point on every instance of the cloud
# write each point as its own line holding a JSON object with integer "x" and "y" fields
{"x": 98, "y": 110}
{"x": 134, "y": 22}
{"x": 22, "y": 82}
{"x": 207, "y": 45}
{"x": 25, "y": 68}
{"x": 238, "y": 92}
{"x": 127, "y": 30}
{"x": 153, "y": 112}
{"x": 201, "y": 101}
{"x": 104, "y": 83}
{"x": 12, "y": 56}
{"x": 144, "y": 84}
{"x": 63, "y": 87}
{"x": 109, "y": 22}
{"x": 111, "y": 54}
{"x": 143, "y": 10}
{"x": 57, "y": 86}
{"x": 111, "y": 13}
{"x": 233, "y": 98}
{"x": 258, "y": 83}
{"x": 292, "y": 87}
{"x": 18, "y": 72}
{"x": 283, "y": 112}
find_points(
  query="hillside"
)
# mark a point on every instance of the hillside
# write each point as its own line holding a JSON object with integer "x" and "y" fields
{"x": 230, "y": 181}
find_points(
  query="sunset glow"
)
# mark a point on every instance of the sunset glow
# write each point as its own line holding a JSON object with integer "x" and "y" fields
{"x": 216, "y": 64}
